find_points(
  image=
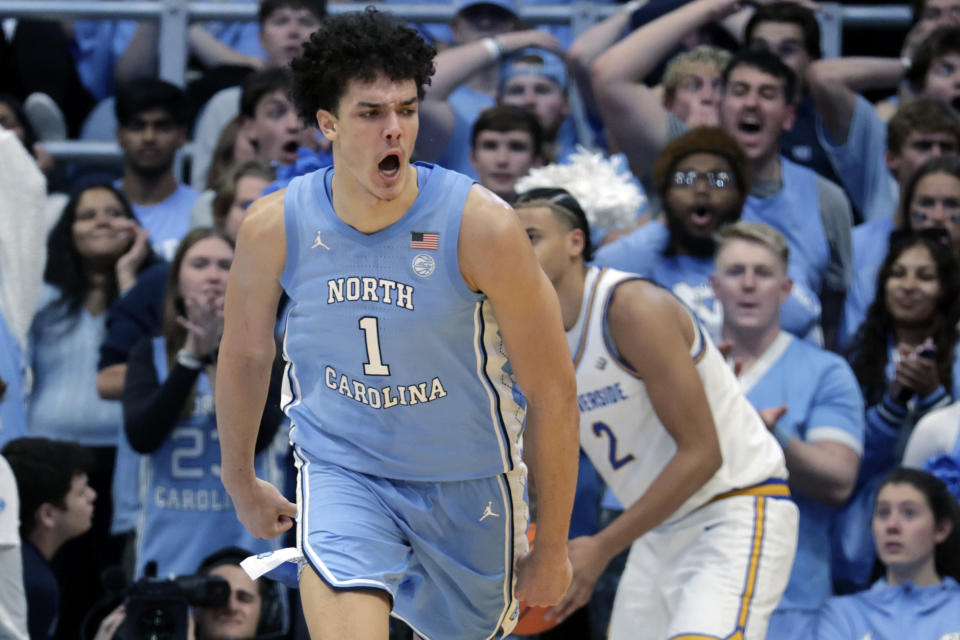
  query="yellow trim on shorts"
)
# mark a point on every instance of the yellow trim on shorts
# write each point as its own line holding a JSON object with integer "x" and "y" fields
{"x": 768, "y": 489}
{"x": 762, "y": 493}
{"x": 752, "y": 569}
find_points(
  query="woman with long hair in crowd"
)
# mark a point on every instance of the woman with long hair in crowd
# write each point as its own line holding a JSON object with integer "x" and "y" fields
{"x": 916, "y": 530}
{"x": 169, "y": 415}
{"x": 94, "y": 252}
{"x": 904, "y": 357}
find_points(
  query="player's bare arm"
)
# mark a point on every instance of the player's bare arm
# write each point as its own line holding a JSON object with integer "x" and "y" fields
{"x": 496, "y": 258}
{"x": 246, "y": 354}
{"x": 654, "y": 334}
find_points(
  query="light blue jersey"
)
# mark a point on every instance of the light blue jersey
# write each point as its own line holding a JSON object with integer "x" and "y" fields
{"x": 823, "y": 404}
{"x": 186, "y": 514}
{"x": 887, "y": 612}
{"x": 395, "y": 368}
{"x": 125, "y": 489}
{"x": 688, "y": 278}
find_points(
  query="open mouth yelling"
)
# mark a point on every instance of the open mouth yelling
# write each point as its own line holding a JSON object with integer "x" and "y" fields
{"x": 702, "y": 216}
{"x": 389, "y": 166}
{"x": 750, "y": 124}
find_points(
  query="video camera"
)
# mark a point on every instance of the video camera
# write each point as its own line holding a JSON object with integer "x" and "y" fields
{"x": 158, "y": 609}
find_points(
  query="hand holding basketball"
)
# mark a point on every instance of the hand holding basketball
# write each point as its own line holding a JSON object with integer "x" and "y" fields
{"x": 543, "y": 576}
{"x": 589, "y": 559}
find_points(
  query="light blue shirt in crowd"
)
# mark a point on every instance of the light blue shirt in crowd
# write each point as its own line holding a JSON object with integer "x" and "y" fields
{"x": 886, "y": 612}
{"x": 823, "y": 405}
{"x": 642, "y": 252}
{"x": 167, "y": 221}
{"x": 64, "y": 403}
{"x": 861, "y": 164}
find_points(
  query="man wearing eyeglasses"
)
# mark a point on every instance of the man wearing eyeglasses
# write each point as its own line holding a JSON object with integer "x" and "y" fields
{"x": 756, "y": 108}
{"x": 703, "y": 179}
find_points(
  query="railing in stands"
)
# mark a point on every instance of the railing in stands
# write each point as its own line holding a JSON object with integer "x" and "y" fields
{"x": 175, "y": 16}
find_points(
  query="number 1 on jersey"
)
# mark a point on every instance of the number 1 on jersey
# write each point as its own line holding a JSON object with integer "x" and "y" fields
{"x": 374, "y": 365}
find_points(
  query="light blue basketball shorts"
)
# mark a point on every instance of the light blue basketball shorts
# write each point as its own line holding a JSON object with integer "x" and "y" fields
{"x": 443, "y": 551}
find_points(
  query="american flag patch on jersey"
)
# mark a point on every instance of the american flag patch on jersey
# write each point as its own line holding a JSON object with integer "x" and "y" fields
{"x": 424, "y": 240}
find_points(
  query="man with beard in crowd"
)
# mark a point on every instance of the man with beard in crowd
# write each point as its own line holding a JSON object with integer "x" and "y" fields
{"x": 702, "y": 178}
{"x": 756, "y": 107}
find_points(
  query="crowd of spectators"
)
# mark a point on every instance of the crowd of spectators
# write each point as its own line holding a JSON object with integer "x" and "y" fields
{"x": 814, "y": 232}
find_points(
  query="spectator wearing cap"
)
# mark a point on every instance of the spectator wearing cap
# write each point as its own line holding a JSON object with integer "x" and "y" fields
{"x": 536, "y": 79}
{"x": 468, "y": 78}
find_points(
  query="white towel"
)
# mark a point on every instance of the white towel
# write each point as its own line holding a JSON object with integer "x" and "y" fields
{"x": 282, "y": 565}
{"x": 23, "y": 242}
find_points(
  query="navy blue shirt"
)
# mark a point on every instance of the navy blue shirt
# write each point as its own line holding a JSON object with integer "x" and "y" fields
{"x": 43, "y": 593}
{"x": 135, "y": 315}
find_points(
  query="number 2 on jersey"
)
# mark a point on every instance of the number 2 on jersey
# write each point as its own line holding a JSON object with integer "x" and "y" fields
{"x": 599, "y": 428}
{"x": 374, "y": 365}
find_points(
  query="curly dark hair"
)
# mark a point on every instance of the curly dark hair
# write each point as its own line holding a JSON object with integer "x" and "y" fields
{"x": 870, "y": 349}
{"x": 359, "y": 45}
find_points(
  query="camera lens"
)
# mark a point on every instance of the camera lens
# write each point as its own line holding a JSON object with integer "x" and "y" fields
{"x": 156, "y": 624}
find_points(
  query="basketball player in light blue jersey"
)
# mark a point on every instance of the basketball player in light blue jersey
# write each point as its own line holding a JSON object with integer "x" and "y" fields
{"x": 816, "y": 415}
{"x": 708, "y": 520}
{"x": 408, "y": 286}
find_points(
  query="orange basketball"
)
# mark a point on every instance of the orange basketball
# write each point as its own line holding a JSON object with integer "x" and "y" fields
{"x": 531, "y": 620}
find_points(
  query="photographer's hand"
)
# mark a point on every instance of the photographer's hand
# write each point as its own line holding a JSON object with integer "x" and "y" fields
{"x": 109, "y": 625}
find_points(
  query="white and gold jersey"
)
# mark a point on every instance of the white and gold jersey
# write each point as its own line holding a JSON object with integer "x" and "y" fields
{"x": 621, "y": 432}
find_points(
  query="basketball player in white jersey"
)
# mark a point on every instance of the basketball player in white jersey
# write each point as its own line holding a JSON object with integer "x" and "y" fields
{"x": 709, "y": 519}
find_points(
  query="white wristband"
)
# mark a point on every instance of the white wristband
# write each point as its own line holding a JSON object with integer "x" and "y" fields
{"x": 493, "y": 47}
{"x": 188, "y": 360}
{"x": 907, "y": 63}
